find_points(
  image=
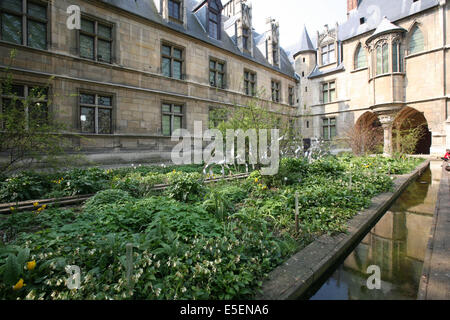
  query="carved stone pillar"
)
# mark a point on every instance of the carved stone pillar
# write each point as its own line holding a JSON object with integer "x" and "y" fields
{"x": 387, "y": 122}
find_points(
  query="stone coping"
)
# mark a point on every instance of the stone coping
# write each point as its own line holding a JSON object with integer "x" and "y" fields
{"x": 435, "y": 280}
{"x": 293, "y": 278}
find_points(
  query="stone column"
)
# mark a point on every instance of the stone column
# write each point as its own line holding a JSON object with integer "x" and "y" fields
{"x": 387, "y": 121}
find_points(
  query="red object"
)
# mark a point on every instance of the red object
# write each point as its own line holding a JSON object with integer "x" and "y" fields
{"x": 447, "y": 156}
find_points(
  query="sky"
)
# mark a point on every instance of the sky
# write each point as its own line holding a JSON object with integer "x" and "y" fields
{"x": 293, "y": 14}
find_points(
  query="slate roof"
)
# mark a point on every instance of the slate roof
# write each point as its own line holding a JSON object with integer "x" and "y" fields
{"x": 385, "y": 27}
{"x": 147, "y": 10}
{"x": 374, "y": 10}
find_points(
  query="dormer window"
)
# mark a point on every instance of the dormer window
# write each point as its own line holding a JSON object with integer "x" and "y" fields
{"x": 245, "y": 36}
{"x": 175, "y": 10}
{"x": 328, "y": 54}
{"x": 275, "y": 54}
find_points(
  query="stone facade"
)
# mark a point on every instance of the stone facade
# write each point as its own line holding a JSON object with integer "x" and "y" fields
{"x": 411, "y": 79}
{"x": 134, "y": 78}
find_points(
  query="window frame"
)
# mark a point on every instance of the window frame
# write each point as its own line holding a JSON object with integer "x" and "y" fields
{"x": 96, "y": 106}
{"x": 291, "y": 95}
{"x": 328, "y": 126}
{"x": 96, "y": 37}
{"x": 384, "y": 56}
{"x": 26, "y": 92}
{"x": 250, "y": 84}
{"x": 180, "y": 11}
{"x": 399, "y": 66}
{"x": 172, "y": 59}
{"x": 216, "y": 72}
{"x": 327, "y": 53}
{"x": 276, "y": 89}
{"x": 360, "y": 51}
{"x": 245, "y": 38}
{"x": 172, "y": 115}
{"x": 25, "y": 18}
{"x": 414, "y": 29}
{"x": 328, "y": 90}
{"x": 218, "y": 14}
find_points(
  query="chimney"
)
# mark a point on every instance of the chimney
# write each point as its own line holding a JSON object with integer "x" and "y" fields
{"x": 352, "y": 4}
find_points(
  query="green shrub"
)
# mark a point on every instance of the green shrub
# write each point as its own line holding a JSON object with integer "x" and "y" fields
{"x": 137, "y": 184}
{"x": 84, "y": 181}
{"x": 107, "y": 197}
{"x": 24, "y": 186}
{"x": 185, "y": 187}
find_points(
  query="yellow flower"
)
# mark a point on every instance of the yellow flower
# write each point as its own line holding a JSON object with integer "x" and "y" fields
{"x": 265, "y": 187}
{"x": 256, "y": 180}
{"x": 260, "y": 185}
{"x": 12, "y": 208}
{"x": 44, "y": 206}
{"x": 36, "y": 204}
{"x": 19, "y": 285}
{"x": 31, "y": 265}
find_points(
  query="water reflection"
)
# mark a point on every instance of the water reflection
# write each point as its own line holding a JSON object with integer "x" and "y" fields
{"x": 397, "y": 244}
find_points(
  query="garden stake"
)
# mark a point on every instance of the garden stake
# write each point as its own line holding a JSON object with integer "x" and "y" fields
{"x": 129, "y": 248}
{"x": 296, "y": 212}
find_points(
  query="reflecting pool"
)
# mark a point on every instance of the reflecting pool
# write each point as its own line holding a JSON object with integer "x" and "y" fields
{"x": 396, "y": 244}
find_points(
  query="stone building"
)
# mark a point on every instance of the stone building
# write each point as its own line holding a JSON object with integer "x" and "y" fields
{"x": 386, "y": 65}
{"x": 137, "y": 70}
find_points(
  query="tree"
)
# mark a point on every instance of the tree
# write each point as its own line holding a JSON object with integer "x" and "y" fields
{"x": 363, "y": 139}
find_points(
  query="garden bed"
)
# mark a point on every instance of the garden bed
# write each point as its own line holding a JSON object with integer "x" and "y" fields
{"x": 191, "y": 241}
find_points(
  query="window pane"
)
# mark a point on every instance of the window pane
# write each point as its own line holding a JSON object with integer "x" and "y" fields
{"x": 177, "y": 70}
{"x": 220, "y": 80}
{"x": 220, "y": 67}
{"x": 87, "y": 119}
{"x": 332, "y": 132}
{"x": 37, "y": 34}
{"x": 212, "y": 78}
{"x": 332, "y": 56}
{"x": 325, "y": 122}
{"x": 38, "y": 113}
{"x": 385, "y": 58}
{"x": 325, "y": 58}
{"x": 212, "y": 65}
{"x": 332, "y": 95}
{"x": 395, "y": 57}
{"x": 176, "y": 123}
{"x": 401, "y": 54}
{"x": 177, "y": 109}
{"x": 166, "y": 50}
{"x": 177, "y": 53}
{"x": 16, "y": 90}
{"x": 333, "y": 121}
{"x": 104, "y": 51}
{"x": 86, "y": 46}
{"x": 416, "y": 43}
{"x": 37, "y": 11}
{"x": 105, "y": 101}
{"x": 87, "y": 99}
{"x": 15, "y": 5}
{"x": 213, "y": 30}
{"x": 361, "y": 60}
{"x": 87, "y": 25}
{"x": 166, "y": 126}
{"x": 379, "y": 60}
{"x": 104, "y": 31}
{"x": 166, "y": 108}
{"x": 166, "y": 67}
{"x": 325, "y": 133}
{"x": 104, "y": 121}
{"x": 11, "y": 28}
{"x": 325, "y": 97}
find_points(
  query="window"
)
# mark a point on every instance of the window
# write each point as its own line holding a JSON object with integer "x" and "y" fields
{"x": 245, "y": 38}
{"x": 24, "y": 22}
{"x": 96, "y": 113}
{"x": 250, "y": 83}
{"x": 416, "y": 41}
{"x": 217, "y": 116}
{"x": 329, "y": 128}
{"x": 175, "y": 10}
{"x": 291, "y": 96}
{"x": 360, "y": 58}
{"x": 382, "y": 59}
{"x": 172, "y": 118}
{"x": 328, "y": 54}
{"x": 397, "y": 57}
{"x": 172, "y": 61}
{"x": 276, "y": 91}
{"x": 275, "y": 54}
{"x": 214, "y": 22}
{"x": 31, "y": 102}
{"x": 217, "y": 73}
{"x": 95, "y": 40}
{"x": 328, "y": 92}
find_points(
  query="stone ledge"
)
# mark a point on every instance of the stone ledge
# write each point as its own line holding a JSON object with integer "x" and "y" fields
{"x": 292, "y": 279}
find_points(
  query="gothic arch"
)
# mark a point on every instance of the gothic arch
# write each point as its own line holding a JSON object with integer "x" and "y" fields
{"x": 407, "y": 119}
{"x": 416, "y": 27}
{"x": 360, "y": 53}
